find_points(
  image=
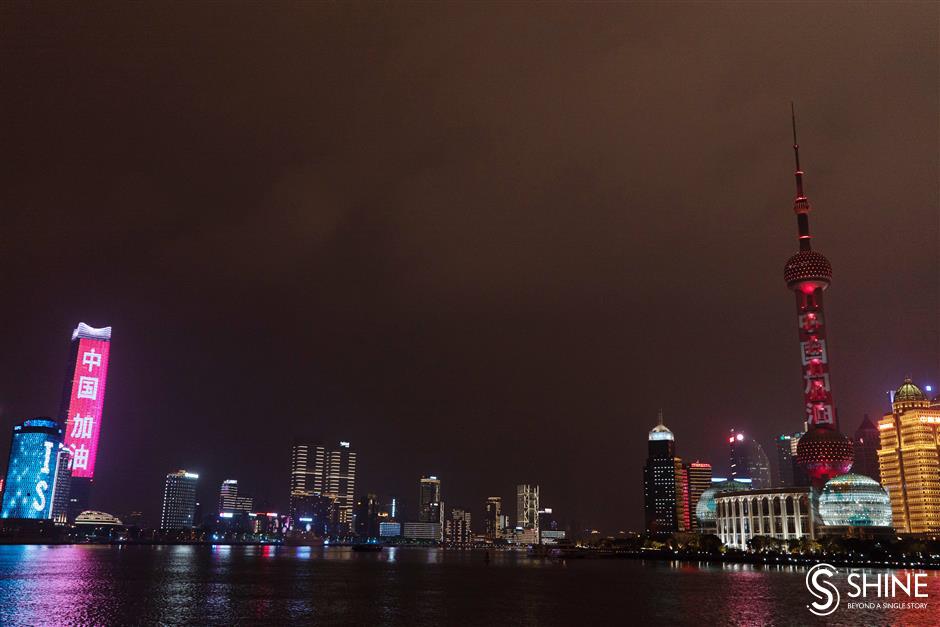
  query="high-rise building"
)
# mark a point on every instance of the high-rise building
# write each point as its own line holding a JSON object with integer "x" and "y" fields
{"x": 230, "y": 501}
{"x": 823, "y": 451}
{"x": 527, "y": 506}
{"x": 866, "y": 442}
{"x": 699, "y": 479}
{"x": 81, "y": 408}
{"x": 909, "y": 459}
{"x": 747, "y": 460}
{"x": 662, "y": 486}
{"x": 366, "y": 517}
{"x": 683, "y": 514}
{"x": 30, "y": 486}
{"x": 179, "y": 500}
{"x": 494, "y": 505}
{"x": 63, "y": 483}
{"x": 318, "y": 471}
{"x": 787, "y": 469}
{"x": 430, "y": 504}
{"x": 457, "y": 532}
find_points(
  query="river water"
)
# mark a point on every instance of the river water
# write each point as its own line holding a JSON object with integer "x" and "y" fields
{"x": 201, "y": 585}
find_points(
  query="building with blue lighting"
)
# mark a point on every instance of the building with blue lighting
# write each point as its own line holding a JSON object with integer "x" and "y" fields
{"x": 29, "y": 489}
{"x": 854, "y": 500}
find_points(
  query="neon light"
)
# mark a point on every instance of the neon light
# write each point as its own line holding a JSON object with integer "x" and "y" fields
{"x": 226, "y": 514}
{"x": 86, "y": 398}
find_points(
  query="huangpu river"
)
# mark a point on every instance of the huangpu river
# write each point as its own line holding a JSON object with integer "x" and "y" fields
{"x": 266, "y": 585}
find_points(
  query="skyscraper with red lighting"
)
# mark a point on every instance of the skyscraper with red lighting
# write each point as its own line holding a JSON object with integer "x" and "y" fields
{"x": 823, "y": 451}
{"x": 81, "y": 409}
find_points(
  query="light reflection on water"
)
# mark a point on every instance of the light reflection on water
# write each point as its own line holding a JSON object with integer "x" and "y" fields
{"x": 223, "y": 585}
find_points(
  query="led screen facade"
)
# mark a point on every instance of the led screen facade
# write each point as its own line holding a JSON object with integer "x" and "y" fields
{"x": 88, "y": 376}
{"x": 31, "y": 473}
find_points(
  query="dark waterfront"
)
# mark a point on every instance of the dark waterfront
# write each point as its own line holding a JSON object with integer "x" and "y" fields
{"x": 177, "y": 585}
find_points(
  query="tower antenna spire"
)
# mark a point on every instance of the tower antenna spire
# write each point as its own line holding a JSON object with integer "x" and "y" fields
{"x": 801, "y": 202}
{"x": 796, "y": 155}
{"x": 660, "y": 416}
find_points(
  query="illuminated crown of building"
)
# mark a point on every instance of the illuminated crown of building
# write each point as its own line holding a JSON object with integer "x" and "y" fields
{"x": 660, "y": 431}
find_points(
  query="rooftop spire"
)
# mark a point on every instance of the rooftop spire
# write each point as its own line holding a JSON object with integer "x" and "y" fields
{"x": 801, "y": 202}
{"x": 660, "y": 417}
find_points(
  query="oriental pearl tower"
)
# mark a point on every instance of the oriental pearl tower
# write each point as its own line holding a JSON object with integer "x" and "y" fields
{"x": 822, "y": 451}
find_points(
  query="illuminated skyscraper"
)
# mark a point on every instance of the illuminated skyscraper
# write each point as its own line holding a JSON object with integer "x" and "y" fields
{"x": 179, "y": 500}
{"x": 491, "y": 528}
{"x": 81, "y": 408}
{"x": 665, "y": 486}
{"x": 700, "y": 479}
{"x": 430, "y": 504}
{"x": 866, "y": 443}
{"x": 823, "y": 451}
{"x": 61, "y": 499}
{"x": 29, "y": 489}
{"x": 747, "y": 460}
{"x": 457, "y": 531}
{"x": 527, "y": 506}
{"x": 317, "y": 471}
{"x": 909, "y": 459}
{"x": 229, "y": 499}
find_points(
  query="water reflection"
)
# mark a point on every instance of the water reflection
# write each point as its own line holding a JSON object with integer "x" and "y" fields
{"x": 400, "y": 586}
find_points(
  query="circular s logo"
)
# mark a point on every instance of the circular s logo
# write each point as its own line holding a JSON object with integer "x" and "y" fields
{"x": 825, "y": 592}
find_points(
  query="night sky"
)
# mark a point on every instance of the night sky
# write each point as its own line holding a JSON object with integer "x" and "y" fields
{"x": 480, "y": 241}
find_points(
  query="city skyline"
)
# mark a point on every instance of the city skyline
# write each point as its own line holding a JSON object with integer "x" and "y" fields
{"x": 503, "y": 262}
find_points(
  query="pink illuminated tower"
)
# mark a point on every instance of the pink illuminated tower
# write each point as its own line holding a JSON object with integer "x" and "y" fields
{"x": 823, "y": 451}
{"x": 82, "y": 403}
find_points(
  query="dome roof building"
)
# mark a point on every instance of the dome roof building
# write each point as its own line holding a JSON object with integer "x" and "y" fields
{"x": 853, "y": 500}
{"x": 705, "y": 508}
{"x": 909, "y": 396}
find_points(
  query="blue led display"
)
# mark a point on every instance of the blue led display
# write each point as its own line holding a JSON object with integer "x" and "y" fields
{"x": 31, "y": 471}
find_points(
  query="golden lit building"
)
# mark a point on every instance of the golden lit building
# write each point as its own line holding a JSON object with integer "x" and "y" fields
{"x": 909, "y": 458}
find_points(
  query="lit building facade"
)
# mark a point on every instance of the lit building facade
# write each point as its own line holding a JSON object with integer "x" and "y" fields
{"x": 699, "y": 479}
{"x": 81, "y": 409}
{"x": 747, "y": 460}
{"x": 527, "y": 507}
{"x": 822, "y": 451}
{"x": 665, "y": 484}
{"x": 705, "y": 508}
{"x": 179, "y": 500}
{"x": 491, "y": 515}
{"x": 230, "y": 501}
{"x": 61, "y": 499}
{"x": 457, "y": 531}
{"x": 430, "y": 502}
{"x": 786, "y": 456}
{"x": 909, "y": 460}
{"x": 318, "y": 471}
{"x": 780, "y": 513}
{"x": 854, "y": 500}
{"x": 30, "y": 485}
{"x": 422, "y": 531}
